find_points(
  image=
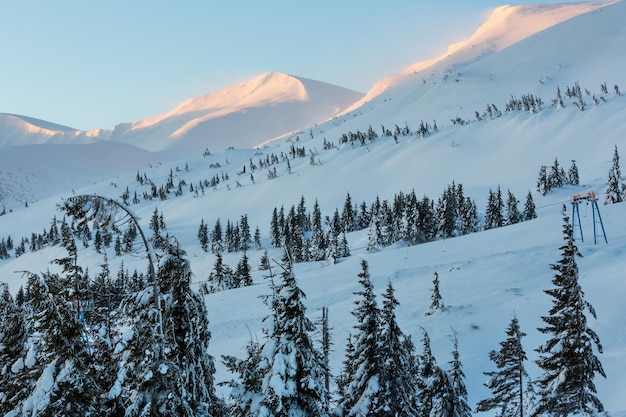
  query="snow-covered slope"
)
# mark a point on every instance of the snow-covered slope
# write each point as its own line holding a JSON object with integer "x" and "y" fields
{"x": 29, "y": 173}
{"x": 241, "y": 116}
{"x": 506, "y": 26}
{"x": 485, "y": 277}
{"x": 23, "y": 130}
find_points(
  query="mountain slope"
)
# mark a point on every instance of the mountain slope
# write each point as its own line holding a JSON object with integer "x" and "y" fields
{"x": 506, "y": 26}
{"x": 241, "y": 116}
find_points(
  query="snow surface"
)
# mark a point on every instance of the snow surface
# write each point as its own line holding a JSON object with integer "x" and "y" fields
{"x": 485, "y": 277}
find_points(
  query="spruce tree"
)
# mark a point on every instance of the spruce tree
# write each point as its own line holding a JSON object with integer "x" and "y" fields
{"x": 615, "y": 191}
{"x": 398, "y": 389}
{"x": 572, "y": 174}
{"x": 436, "y": 301}
{"x": 512, "y": 212}
{"x": 529, "y": 212}
{"x": 362, "y": 374}
{"x": 54, "y": 377}
{"x": 168, "y": 373}
{"x": 459, "y": 406}
{"x": 432, "y": 381}
{"x": 242, "y": 272}
{"x": 542, "y": 181}
{"x": 246, "y": 390}
{"x": 493, "y": 216}
{"x": 292, "y": 369}
{"x": 556, "y": 176}
{"x": 221, "y": 278}
{"x": 13, "y": 336}
{"x": 508, "y": 382}
{"x": 217, "y": 245}
{"x": 567, "y": 358}
{"x": 203, "y": 235}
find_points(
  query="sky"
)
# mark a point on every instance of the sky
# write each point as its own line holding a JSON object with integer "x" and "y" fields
{"x": 92, "y": 65}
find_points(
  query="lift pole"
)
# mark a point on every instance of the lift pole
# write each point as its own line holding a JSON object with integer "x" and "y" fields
{"x": 588, "y": 196}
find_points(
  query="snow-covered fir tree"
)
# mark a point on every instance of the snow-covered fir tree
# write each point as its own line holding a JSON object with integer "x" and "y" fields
{"x": 165, "y": 367}
{"x": 542, "y": 181}
{"x": 508, "y": 384}
{"x": 54, "y": 376}
{"x": 512, "y": 212}
{"x": 375, "y": 238}
{"x": 572, "y": 174}
{"x": 529, "y": 212}
{"x": 436, "y": 300}
{"x": 246, "y": 391}
{"x": 363, "y": 371}
{"x": 556, "y": 176}
{"x": 616, "y": 191}
{"x": 242, "y": 276}
{"x": 433, "y": 383}
{"x": 203, "y": 235}
{"x": 567, "y": 358}
{"x": 221, "y": 277}
{"x": 493, "y": 214}
{"x": 398, "y": 387}
{"x": 459, "y": 405}
{"x": 13, "y": 335}
{"x": 292, "y": 371}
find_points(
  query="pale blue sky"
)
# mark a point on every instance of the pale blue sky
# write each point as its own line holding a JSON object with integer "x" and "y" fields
{"x": 93, "y": 64}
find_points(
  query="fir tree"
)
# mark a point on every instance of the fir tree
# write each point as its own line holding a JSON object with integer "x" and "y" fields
{"x": 556, "y": 176}
{"x": 55, "y": 377}
{"x": 244, "y": 233}
{"x": 203, "y": 235}
{"x": 468, "y": 217}
{"x": 361, "y": 395}
{"x": 168, "y": 373}
{"x": 567, "y": 358}
{"x": 529, "y": 212}
{"x": 221, "y": 278}
{"x": 216, "y": 238}
{"x": 512, "y": 212}
{"x": 432, "y": 382}
{"x": 242, "y": 272}
{"x": 447, "y": 213}
{"x": 292, "y": 370}
{"x": 257, "y": 238}
{"x": 375, "y": 234}
{"x": 572, "y": 174}
{"x": 459, "y": 406}
{"x": 436, "y": 301}
{"x": 397, "y": 381}
{"x": 348, "y": 218}
{"x": 13, "y": 335}
{"x": 246, "y": 391}
{"x": 542, "y": 181}
{"x": 493, "y": 216}
{"x": 615, "y": 191}
{"x": 508, "y": 382}
{"x": 264, "y": 263}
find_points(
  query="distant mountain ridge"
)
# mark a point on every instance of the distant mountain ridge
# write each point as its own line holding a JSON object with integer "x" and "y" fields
{"x": 242, "y": 116}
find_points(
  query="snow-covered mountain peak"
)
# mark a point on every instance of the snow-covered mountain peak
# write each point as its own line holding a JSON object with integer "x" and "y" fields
{"x": 266, "y": 89}
{"x": 506, "y": 26}
{"x": 245, "y": 115}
